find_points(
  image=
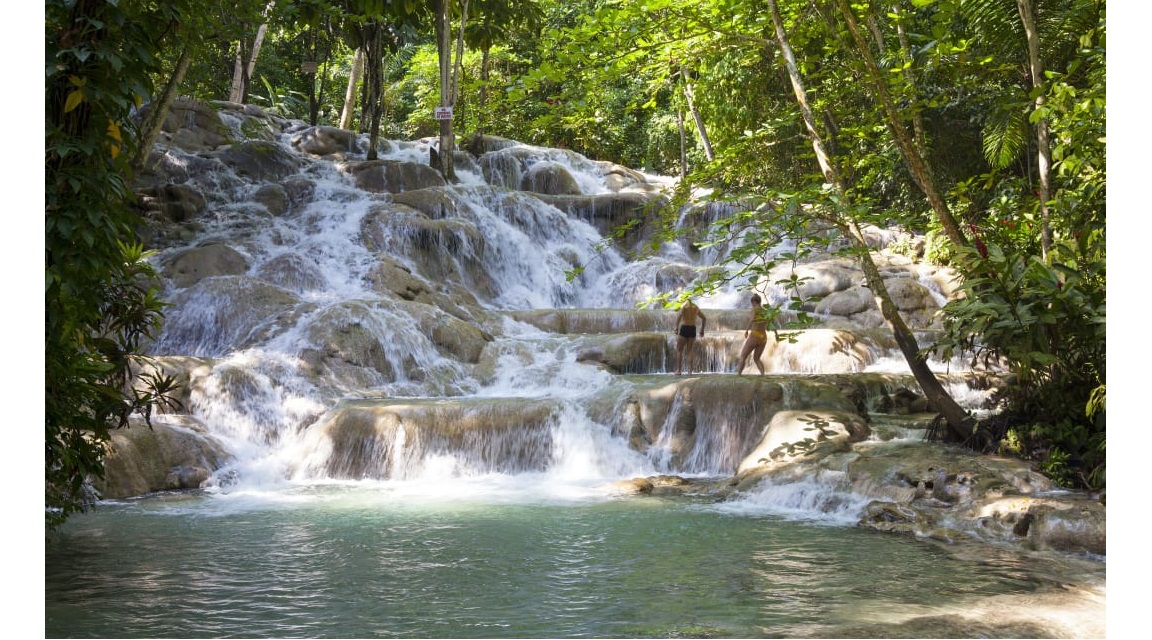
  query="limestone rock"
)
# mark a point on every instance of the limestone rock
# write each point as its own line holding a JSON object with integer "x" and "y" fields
{"x": 793, "y": 435}
{"x": 176, "y": 453}
{"x": 345, "y": 345}
{"x": 386, "y": 438}
{"x": 172, "y": 202}
{"x": 633, "y": 486}
{"x": 325, "y": 141}
{"x": 551, "y": 178}
{"x": 223, "y": 313}
{"x": 294, "y": 272}
{"x": 631, "y": 353}
{"x": 195, "y": 126}
{"x": 274, "y": 198}
{"x": 394, "y": 176}
{"x": 478, "y": 145}
{"x": 432, "y": 202}
{"x": 609, "y": 211}
{"x": 457, "y": 338}
{"x": 190, "y": 266}
{"x": 259, "y": 160}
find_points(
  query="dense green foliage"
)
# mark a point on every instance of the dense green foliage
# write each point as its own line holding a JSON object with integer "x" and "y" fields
{"x": 99, "y": 307}
{"x": 691, "y": 88}
{"x": 1046, "y": 316}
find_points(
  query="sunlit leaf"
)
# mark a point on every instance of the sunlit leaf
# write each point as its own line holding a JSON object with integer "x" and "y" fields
{"x": 73, "y": 100}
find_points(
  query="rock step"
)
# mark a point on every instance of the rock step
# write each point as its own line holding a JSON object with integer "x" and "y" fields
{"x": 585, "y": 321}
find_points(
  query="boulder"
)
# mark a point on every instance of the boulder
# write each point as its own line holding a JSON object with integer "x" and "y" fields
{"x": 550, "y": 178}
{"x": 190, "y": 266}
{"x": 455, "y": 338}
{"x": 441, "y": 250}
{"x": 792, "y": 436}
{"x": 630, "y": 353}
{"x": 294, "y": 272}
{"x": 391, "y": 439}
{"x": 819, "y": 350}
{"x": 195, "y": 126}
{"x": 259, "y": 160}
{"x": 434, "y": 203}
{"x": 220, "y": 314}
{"x": 345, "y": 343}
{"x": 479, "y": 145}
{"x": 172, "y": 202}
{"x": 174, "y": 453}
{"x": 394, "y": 176}
{"x": 274, "y": 198}
{"x": 326, "y": 141}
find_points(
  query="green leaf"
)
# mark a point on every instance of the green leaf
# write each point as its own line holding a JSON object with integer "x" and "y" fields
{"x": 75, "y": 98}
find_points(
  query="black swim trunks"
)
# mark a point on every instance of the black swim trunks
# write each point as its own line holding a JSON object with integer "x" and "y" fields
{"x": 688, "y": 331}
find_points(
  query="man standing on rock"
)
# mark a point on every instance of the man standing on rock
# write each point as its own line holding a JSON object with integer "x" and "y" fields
{"x": 686, "y": 333}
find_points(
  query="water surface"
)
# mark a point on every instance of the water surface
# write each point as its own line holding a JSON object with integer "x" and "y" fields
{"x": 340, "y": 561}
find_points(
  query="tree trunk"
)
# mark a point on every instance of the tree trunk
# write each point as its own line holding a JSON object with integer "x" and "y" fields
{"x": 374, "y": 62}
{"x": 350, "y": 93}
{"x": 150, "y": 129}
{"x": 1036, "y": 66}
{"x": 458, "y": 67}
{"x": 239, "y": 82}
{"x": 690, "y": 96}
{"x": 444, "y": 51}
{"x": 958, "y": 420}
{"x": 242, "y": 75}
{"x": 683, "y": 144}
{"x": 906, "y": 56}
{"x": 260, "y": 32}
{"x": 316, "y": 87}
{"x": 482, "y": 100}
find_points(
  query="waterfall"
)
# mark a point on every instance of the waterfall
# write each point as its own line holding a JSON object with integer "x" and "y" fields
{"x": 331, "y": 329}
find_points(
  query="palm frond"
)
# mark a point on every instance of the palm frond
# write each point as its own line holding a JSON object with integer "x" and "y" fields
{"x": 1005, "y": 136}
{"x": 996, "y": 22}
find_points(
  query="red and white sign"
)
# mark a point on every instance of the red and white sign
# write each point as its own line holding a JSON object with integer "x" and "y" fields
{"x": 443, "y": 113}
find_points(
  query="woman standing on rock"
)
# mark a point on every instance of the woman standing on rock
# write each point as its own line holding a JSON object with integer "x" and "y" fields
{"x": 755, "y": 337}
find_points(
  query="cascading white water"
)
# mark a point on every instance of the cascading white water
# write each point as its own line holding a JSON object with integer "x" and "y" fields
{"x": 255, "y": 396}
{"x": 311, "y": 293}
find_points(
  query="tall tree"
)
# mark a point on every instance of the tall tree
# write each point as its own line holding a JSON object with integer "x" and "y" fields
{"x": 246, "y": 58}
{"x": 154, "y": 120}
{"x": 99, "y": 305}
{"x": 350, "y": 94}
{"x": 1043, "y": 148}
{"x": 686, "y": 78}
{"x": 373, "y": 33}
{"x": 958, "y": 419}
{"x": 378, "y": 28}
{"x": 912, "y": 154}
{"x": 449, "y": 75}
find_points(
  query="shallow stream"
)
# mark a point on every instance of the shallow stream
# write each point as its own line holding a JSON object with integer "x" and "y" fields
{"x": 386, "y": 560}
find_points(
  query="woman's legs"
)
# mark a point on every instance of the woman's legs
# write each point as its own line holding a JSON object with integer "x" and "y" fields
{"x": 756, "y": 353}
{"x": 745, "y": 350}
{"x": 752, "y": 347}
